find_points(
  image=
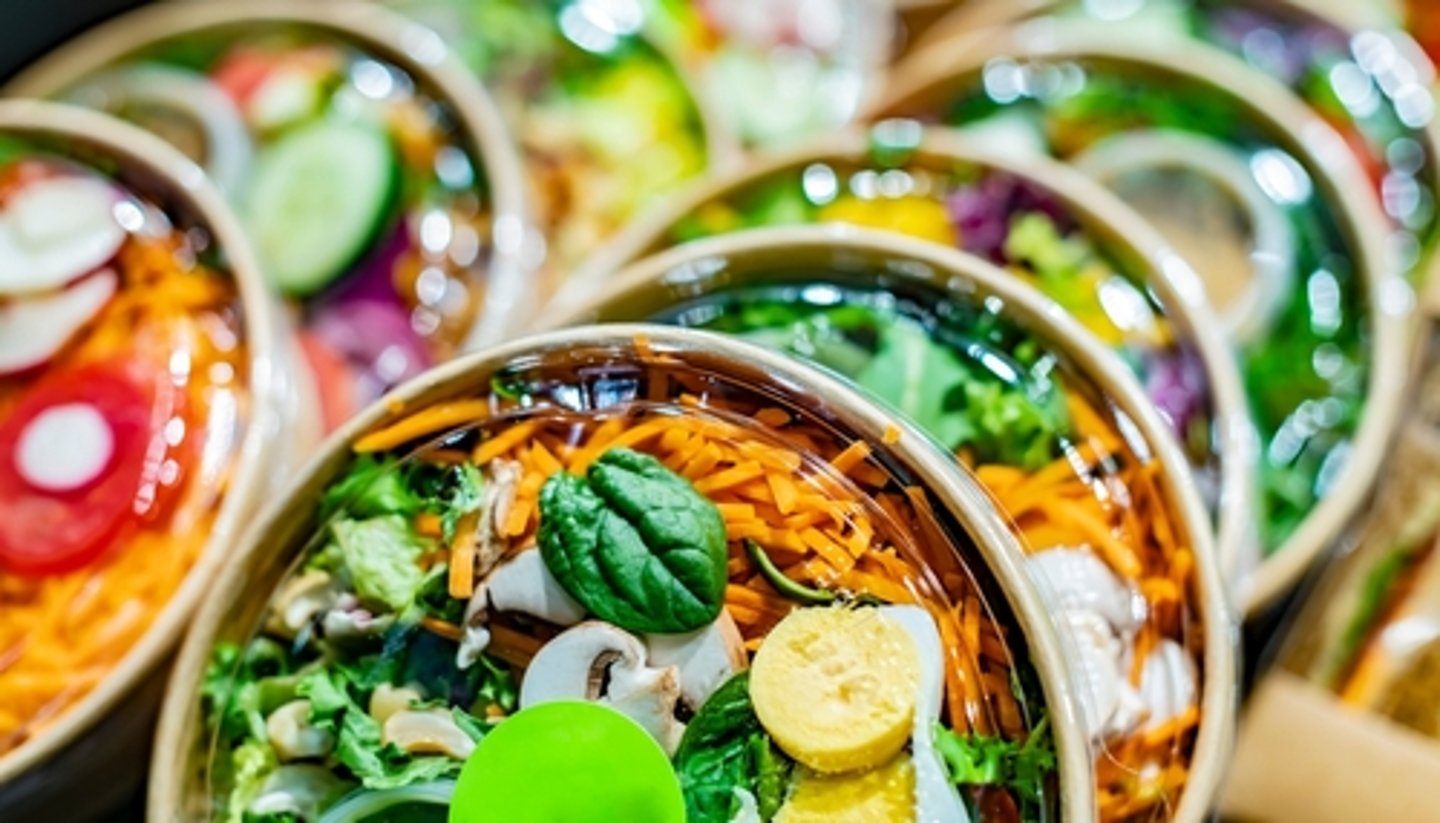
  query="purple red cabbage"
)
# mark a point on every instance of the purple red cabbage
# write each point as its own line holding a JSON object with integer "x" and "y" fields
{"x": 982, "y": 212}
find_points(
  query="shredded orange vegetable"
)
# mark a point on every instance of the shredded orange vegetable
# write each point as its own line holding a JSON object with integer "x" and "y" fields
{"x": 61, "y": 634}
{"x": 813, "y": 510}
{"x": 1127, "y": 523}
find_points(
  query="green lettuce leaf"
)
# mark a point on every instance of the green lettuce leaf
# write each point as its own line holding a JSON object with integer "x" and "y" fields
{"x": 382, "y": 556}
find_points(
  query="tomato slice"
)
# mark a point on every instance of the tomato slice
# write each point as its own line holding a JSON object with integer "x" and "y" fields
{"x": 334, "y": 380}
{"x": 52, "y": 532}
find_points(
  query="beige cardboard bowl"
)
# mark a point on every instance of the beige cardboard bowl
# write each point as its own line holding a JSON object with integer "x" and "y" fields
{"x": 268, "y": 550}
{"x": 510, "y": 296}
{"x": 1377, "y": 24}
{"x": 87, "y": 759}
{"x": 1117, "y": 229}
{"x": 932, "y": 74}
{"x": 848, "y": 255}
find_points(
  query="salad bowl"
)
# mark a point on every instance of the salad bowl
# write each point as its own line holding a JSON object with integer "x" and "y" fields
{"x": 478, "y": 468}
{"x": 1043, "y": 222}
{"x": 1288, "y": 241}
{"x": 373, "y": 174}
{"x": 1056, "y": 430}
{"x": 146, "y": 399}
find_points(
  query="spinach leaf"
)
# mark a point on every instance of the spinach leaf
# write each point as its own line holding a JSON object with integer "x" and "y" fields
{"x": 635, "y": 544}
{"x": 725, "y": 748}
{"x": 382, "y": 556}
{"x": 1023, "y": 767}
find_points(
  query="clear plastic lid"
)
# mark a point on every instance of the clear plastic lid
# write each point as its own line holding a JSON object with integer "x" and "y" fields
{"x": 1047, "y": 423}
{"x": 1367, "y": 78}
{"x": 125, "y": 390}
{"x": 707, "y": 548}
{"x": 1047, "y": 225}
{"x": 374, "y": 184}
{"x": 1258, "y": 194}
{"x": 586, "y": 91}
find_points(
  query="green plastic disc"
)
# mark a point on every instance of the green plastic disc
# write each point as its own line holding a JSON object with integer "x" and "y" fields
{"x": 569, "y": 762}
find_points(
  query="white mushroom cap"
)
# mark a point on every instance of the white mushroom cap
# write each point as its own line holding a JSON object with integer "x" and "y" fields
{"x": 706, "y": 657}
{"x": 522, "y": 584}
{"x": 600, "y": 662}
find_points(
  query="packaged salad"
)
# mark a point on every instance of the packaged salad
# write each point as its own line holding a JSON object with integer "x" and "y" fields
{"x": 372, "y": 174}
{"x": 143, "y": 404}
{"x": 605, "y": 118}
{"x": 779, "y": 71}
{"x": 1360, "y": 667}
{"x": 1051, "y": 425}
{"x": 1348, "y": 61}
{"x": 775, "y": 598}
{"x": 1278, "y": 222}
{"x": 1041, "y": 221}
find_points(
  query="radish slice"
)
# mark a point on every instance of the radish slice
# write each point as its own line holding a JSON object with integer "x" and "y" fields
{"x": 55, "y": 231}
{"x": 34, "y": 329}
{"x": 65, "y": 448}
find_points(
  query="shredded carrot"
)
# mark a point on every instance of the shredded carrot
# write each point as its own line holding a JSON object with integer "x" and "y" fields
{"x": 853, "y": 455}
{"x": 432, "y": 420}
{"x": 504, "y": 442}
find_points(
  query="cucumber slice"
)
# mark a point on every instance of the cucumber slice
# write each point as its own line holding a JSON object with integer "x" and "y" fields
{"x": 321, "y": 195}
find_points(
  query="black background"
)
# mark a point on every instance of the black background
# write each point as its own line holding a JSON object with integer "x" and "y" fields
{"x": 29, "y": 27}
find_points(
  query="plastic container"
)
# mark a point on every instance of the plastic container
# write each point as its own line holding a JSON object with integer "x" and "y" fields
{"x": 781, "y": 71}
{"x": 373, "y": 174}
{"x": 1322, "y": 322}
{"x": 586, "y": 90}
{"x": 1348, "y": 61}
{"x": 1056, "y": 429}
{"x": 510, "y": 423}
{"x": 1051, "y": 226}
{"x": 144, "y": 404}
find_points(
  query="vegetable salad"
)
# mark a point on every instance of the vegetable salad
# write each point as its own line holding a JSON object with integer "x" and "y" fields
{"x": 1370, "y": 85}
{"x": 357, "y": 180}
{"x": 1295, "y": 307}
{"x": 1108, "y": 550}
{"x": 780, "y": 70}
{"x": 1010, "y": 219}
{"x": 787, "y": 620}
{"x": 586, "y": 94}
{"x": 123, "y": 398}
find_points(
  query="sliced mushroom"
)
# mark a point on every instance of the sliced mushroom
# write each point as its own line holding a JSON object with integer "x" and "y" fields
{"x": 388, "y": 700}
{"x": 301, "y": 791}
{"x": 495, "y": 503}
{"x": 936, "y": 800}
{"x": 705, "y": 658}
{"x": 427, "y": 731}
{"x": 522, "y": 584}
{"x": 599, "y": 662}
{"x": 291, "y": 735}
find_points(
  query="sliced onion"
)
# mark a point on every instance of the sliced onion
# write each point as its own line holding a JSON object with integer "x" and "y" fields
{"x": 34, "y": 329}
{"x": 57, "y": 230}
{"x": 362, "y": 804}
